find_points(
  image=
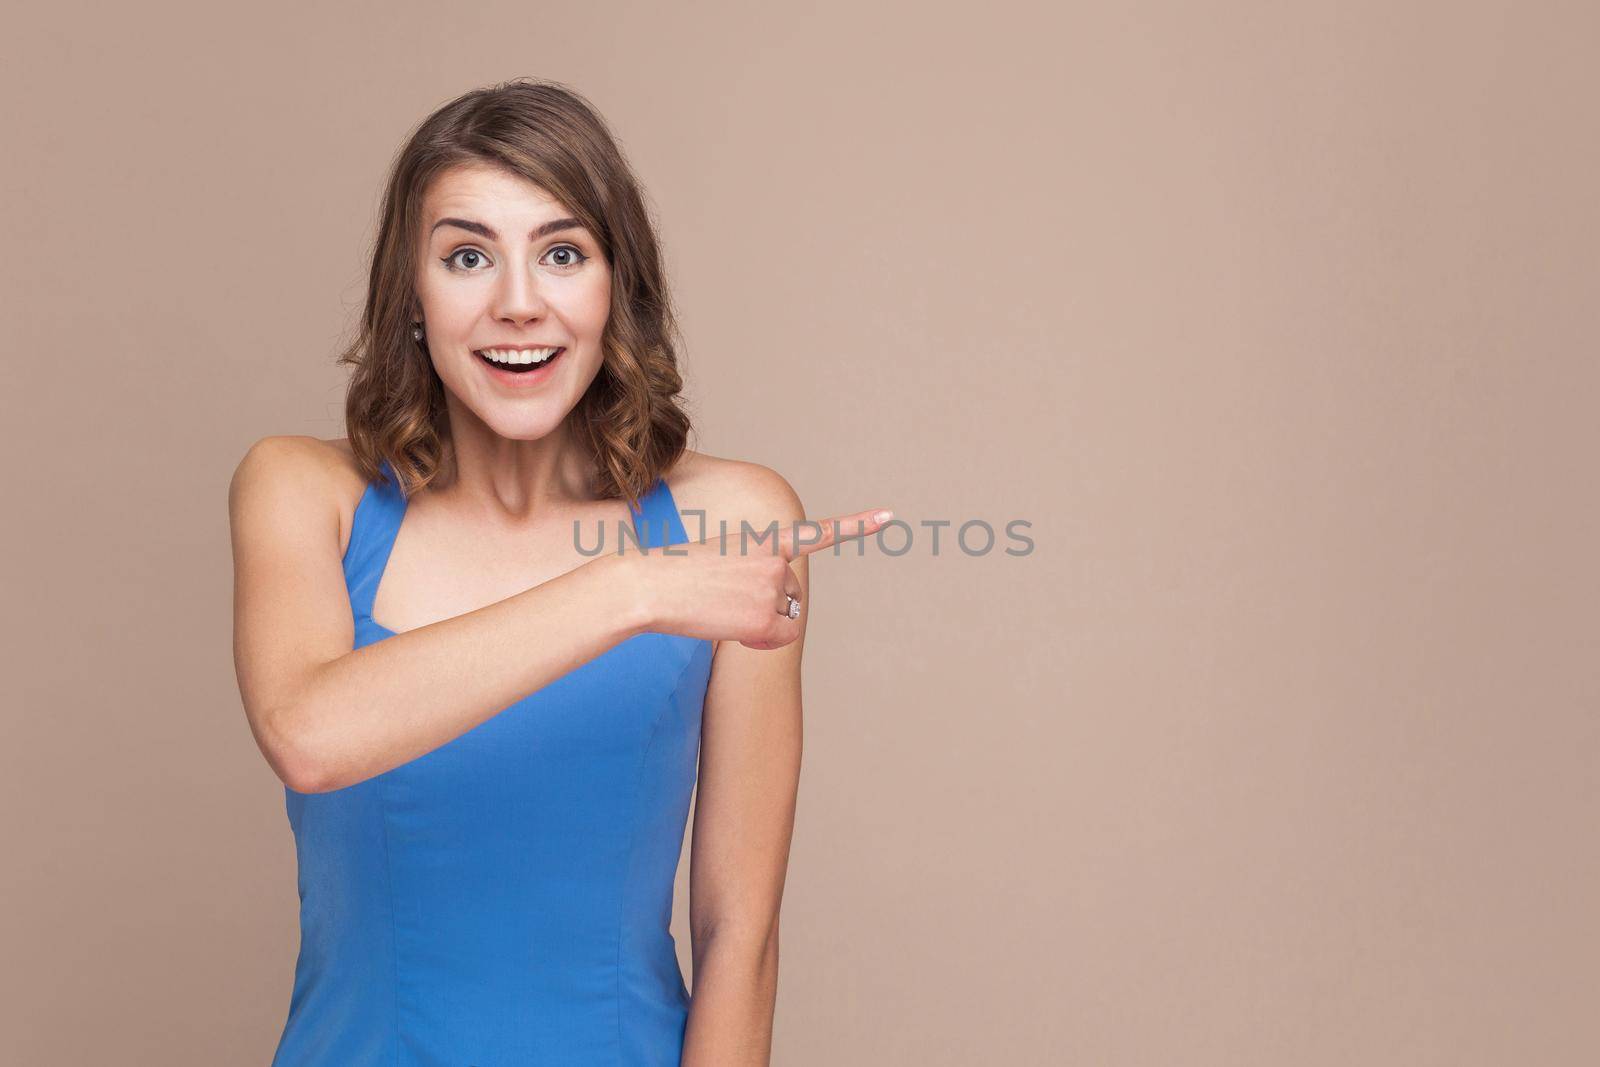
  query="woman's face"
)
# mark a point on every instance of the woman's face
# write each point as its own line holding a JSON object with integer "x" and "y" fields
{"x": 504, "y": 266}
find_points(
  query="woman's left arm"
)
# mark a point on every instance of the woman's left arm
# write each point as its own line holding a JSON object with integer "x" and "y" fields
{"x": 749, "y": 776}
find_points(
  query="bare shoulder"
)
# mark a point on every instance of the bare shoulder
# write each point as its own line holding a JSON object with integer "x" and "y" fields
{"x": 321, "y": 475}
{"x": 291, "y": 456}
{"x": 731, "y": 490}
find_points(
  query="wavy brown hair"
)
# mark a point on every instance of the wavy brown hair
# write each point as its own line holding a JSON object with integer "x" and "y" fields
{"x": 630, "y": 419}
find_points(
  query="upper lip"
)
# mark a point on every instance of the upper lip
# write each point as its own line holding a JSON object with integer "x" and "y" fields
{"x": 514, "y": 347}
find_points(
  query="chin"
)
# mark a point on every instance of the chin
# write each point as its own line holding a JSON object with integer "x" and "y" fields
{"x": 523, "y": 429}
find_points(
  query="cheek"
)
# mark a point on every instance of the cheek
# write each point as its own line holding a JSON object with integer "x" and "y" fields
{"x": 597, "y": 304}
{"x": 451, "y": 372}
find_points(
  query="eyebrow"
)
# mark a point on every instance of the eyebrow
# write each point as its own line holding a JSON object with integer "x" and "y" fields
{"x": 553, "y": 226}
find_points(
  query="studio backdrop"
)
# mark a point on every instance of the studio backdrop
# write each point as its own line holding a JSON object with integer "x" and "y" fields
{"x": 1224, "y": 691}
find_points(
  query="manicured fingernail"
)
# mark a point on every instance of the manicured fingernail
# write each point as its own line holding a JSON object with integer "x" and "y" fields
{"x": 883, "y": 516}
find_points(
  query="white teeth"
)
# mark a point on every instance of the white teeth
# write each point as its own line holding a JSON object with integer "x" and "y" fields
{"x": 518, "y": 355}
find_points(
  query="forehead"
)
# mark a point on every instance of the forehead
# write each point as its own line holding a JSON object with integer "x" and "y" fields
{"x": 488, "y": 194}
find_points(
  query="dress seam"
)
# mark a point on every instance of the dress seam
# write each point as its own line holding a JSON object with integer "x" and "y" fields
{"x": 633, "y": 836}
{"x": 394, "y": 934}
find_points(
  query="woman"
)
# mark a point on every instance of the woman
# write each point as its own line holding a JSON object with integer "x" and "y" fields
{"x": 487, "y": 729}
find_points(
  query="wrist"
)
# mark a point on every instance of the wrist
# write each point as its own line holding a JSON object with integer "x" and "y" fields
{"x": 627, "y": 581}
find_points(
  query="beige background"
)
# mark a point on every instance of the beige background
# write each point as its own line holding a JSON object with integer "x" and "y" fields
{"x": 1277, "y": 321}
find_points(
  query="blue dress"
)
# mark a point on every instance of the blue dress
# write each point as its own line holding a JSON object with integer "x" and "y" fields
{"x": 504, "y": 900}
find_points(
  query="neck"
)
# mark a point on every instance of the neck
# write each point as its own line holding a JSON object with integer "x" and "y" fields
{"x": 516, "y": 478}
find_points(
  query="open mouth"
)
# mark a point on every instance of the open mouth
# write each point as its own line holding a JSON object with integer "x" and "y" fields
{"x": 521, "y": 368}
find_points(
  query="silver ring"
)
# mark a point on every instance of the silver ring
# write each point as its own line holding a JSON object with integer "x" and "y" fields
{"x": 794, "y": 607}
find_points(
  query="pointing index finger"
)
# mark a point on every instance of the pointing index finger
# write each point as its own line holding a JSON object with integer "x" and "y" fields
{"x": 841, "y": 528}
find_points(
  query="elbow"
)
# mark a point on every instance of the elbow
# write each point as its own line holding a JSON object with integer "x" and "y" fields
{"x": 743, "y": 937}
{"x": 293, "y": 758}
{"x": 304, "y": 778}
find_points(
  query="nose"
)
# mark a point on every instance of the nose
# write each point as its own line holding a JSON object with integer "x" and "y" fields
{"x": 517, "y": 298}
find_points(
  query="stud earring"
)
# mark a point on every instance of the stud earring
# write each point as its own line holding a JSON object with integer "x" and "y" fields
{"x": 416, "y": 331}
